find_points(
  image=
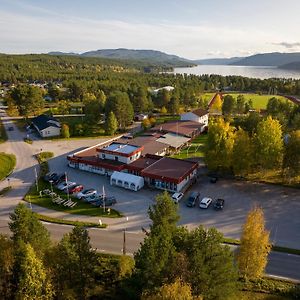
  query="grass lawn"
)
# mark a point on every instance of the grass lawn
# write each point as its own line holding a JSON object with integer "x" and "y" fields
{"x": 7, "y": 164}
{"x": 258, "y": 296}
{"x": 3, "y": 135}
{"x": 82, "y": 208}
{"x": 166, "y": 118}
{"x": 259, "y": 101}
{"x": 273, "y": 177}
{"x": 196, "y": 149}
{"x": 207, "y": 96}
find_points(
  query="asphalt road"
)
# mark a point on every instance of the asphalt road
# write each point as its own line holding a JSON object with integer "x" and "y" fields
{"x": 106, "y": 240}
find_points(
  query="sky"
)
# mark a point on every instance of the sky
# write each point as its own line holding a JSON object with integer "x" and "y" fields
{"x": 192, "y": 29}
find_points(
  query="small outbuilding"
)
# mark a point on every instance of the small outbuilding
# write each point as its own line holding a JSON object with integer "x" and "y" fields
{"x": 127, "y": 181}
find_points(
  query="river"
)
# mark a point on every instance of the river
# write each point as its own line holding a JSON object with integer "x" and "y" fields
{"x": 245, "y": 71}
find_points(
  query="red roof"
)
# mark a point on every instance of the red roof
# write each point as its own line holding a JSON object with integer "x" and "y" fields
{"x": 185, "y": 128}
{"x": 200, "y": 112}
{"x": 170, "y": 169}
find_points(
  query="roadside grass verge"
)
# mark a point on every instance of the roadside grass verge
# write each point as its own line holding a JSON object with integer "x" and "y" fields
{"x": 273, "y": 177}
{"x": 195, "y": 149}
{"x": 274, "y": 247}
{"x": 5, "y": 190}
{"x": 44, "y": 156}
{"x": 3, "y": 135}
{"x": 7, "y": 164}
{"x": 69, "y": 222}
{"x": 81, "y": 208}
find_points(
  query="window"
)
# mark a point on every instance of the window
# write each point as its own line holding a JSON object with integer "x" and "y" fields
{"x": 113, "y": 181}
{"x": 116, "y": 158}
{"x": 120, "y": 182}
{"x": 132, "y": 186}
{"x": 103, "y": 156}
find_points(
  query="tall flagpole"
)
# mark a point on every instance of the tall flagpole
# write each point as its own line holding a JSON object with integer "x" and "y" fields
{"x": 68, "y": 195}
{"x": 103, "y": 195}
{"x": 36, "y": 179}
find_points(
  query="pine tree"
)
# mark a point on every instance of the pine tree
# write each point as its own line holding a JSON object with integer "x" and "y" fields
{"x": 253, "y": 253}
{"x": 111, "y": 124}
{"x": 26, "y": 227}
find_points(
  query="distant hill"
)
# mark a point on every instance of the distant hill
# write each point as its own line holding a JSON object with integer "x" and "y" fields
{"x": 268, "y": 59}
{"x": 150, "y": 56}
{"x": 217, "y": 61}
{"x": 62, "y": 53}
{"x": 292, "y": 66}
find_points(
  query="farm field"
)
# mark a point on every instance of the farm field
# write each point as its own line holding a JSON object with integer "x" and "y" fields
{"x": 259, "y": 101}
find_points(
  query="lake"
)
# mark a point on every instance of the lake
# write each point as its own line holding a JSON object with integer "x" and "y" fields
{"x": 246, "y": 71}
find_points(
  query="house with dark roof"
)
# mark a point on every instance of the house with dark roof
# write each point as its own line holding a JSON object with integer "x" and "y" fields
{"x": 198, "y": 115}
{"x": 46, "y": 126}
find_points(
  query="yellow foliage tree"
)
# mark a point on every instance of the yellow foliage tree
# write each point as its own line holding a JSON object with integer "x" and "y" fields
{"x": 255, "y": 246}
{"x": 163, "y": 110}
{"x": 178, "y": 290}
{"x": 146, "y": 123}
{"x": 217, "y": 105}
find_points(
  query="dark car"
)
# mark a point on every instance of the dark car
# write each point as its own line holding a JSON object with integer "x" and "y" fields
{"x": 49, "y": 176}
{"x": 76, "y": 189}
{"x": 219, "y": 204}
{"x": 213, "y": 179}
{"x": 109, "y": 201}
{"x": 10, "y": 128}
{"x": 191, "y": 202}
{"x": 59, "y": 178}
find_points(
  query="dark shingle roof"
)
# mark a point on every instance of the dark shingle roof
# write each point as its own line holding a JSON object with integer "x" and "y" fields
{"x": 44, "y": 121}
{"x": 200, "y": 112}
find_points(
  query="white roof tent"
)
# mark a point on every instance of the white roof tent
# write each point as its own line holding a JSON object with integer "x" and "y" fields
{"x": 173, "y": 140}
{"x": 127, "y": 181}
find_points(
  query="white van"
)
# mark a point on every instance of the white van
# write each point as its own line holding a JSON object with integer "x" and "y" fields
{"x": 205, "y": 202}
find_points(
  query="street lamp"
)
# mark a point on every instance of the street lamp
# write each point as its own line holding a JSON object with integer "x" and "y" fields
{"x": 124, "y": 238}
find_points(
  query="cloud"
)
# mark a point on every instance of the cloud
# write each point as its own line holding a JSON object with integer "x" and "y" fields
{"x": 287, "y": 45}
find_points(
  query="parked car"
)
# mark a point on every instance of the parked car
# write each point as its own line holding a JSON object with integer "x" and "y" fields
{"x": 205, "y": 202}
{"x": 86, "y": 193}
{"x": 58, "y": 178}
{"x": 10, "y": 128}
{"x": 109, "y": 201}
{"x": 219, "y": 204}
{"x": 91, "y": 198}
{"x": 76, "y": 189}
{"x": 49, "y": 176}
{"x": 176, "y": 197}
{"x": 213, "y": 179}
{"x": 66, "y": 185}
{"x": 194, "y": 196}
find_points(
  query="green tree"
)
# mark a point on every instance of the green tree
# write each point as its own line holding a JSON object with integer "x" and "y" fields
{"x": 33, "y": 281}
{"x": 73, "y": 263}
{"x": 146, "y": 124}
{"x": 291, "y": 158}
{"x": 111, "y": 124}
{"x": 253, "y": 252}
{"x": 26, "y": 227}
{"x": 240, "y": 104}
{"x": 65, "y": 131}
{"x": 94, "y": 107}
{"x": 174, "y": 106}
{"x": 210, "y": 263}
{"x": 28, "y": 99}
{"x": 140, "y": 100}
{"x": 178, "y": 290}
{"x": 229, "y": 105}
{"x": 242, "y": 153}
{"x": 220, "y": 143}
{"x": 119, "y": 103}
{"x": 6, "y": 267}
{"x": 269, "y": 143}
{"x": 63, "y": 107}
{"x": 296, "y": 121}
{"x": 53, "y": 91}
{"x": 153, "y": 259}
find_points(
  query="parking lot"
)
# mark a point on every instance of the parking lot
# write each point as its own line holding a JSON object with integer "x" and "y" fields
{"x": 281, "y": 205}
